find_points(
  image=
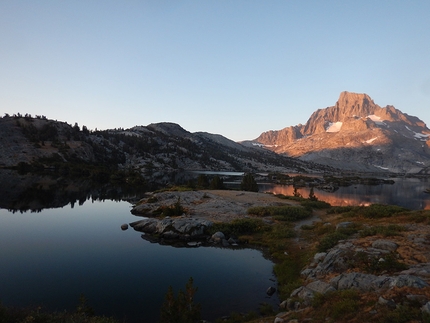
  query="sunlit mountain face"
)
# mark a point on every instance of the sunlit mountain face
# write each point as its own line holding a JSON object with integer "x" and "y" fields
{"x": 356, "y": 134}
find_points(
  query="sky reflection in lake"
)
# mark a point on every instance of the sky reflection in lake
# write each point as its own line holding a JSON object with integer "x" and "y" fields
{"x": 52, "y": 257}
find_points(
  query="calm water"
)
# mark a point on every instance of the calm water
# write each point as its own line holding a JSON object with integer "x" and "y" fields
{"x": 52, "y": 257}
{"x": 408, "y": 192}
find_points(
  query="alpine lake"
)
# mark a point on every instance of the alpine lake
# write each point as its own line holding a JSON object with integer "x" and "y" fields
{"x": 64, "y": 243}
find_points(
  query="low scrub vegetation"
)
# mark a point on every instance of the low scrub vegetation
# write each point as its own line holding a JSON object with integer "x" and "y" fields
{"x": 383, "y": 230}
{"x": 175, "y": 209}
{"x": 241, "y": 227}
{"x": 340, "y": 306}
{"x": 315, "y": 204}
{"x": 82, "y": 314}
{"x": 332, "y": 238}
{"x": 374, "y": 211}
{"x": 377, "y": 265}
{"x": 282, "y": 213}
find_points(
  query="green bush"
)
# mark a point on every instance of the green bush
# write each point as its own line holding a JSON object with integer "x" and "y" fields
{"x": 282, "y": 213}
{"x": 173, "y": 210}
{"x": 293, "y": 198}
{"x": 402, "y": 314}
{"x": 240, "y": 227}
{"x": 340, "y": 209}
{"x": 266, "y": 309}
{"x": 339, "y": 305}
{"x": 330, "y": 240}
{"x": 83, "y": 314}
{"x": 384, "y": 230}
{"x": 373, "y": 265}
{"x": 315, "y": 204}
{"x": 288, "y": 275}
{"x": 376, "y": 211}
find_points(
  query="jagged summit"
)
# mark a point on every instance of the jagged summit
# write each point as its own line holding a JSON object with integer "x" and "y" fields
{"x": 378, "y": 138}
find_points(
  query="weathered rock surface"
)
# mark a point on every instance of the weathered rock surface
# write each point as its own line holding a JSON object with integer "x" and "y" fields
{"x": 336, "y": 270}
{"x": 361, "y": 281}
{"x": 219, "y": 206}
{"x": 173, "y": 228}
{"x": 385, "y": 245}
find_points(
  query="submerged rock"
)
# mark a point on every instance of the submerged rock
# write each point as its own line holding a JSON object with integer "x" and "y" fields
{"x": 271, "y": 290}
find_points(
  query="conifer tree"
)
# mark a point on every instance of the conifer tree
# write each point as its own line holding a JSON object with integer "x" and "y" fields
{"x": 248, "y": 183}
{"x": 181, "y": 309}
{"x": 217, "y": 183}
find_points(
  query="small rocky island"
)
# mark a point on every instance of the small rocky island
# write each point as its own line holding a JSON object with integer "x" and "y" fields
{"x": 201, "y": 209}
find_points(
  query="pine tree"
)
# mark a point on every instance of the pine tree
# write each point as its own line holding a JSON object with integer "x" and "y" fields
{"x": 181, "y": 309}
{"x": 312, "y": 196}
{"x": 248, "y": 183}
{"x": 217, "y": 183}
{"x": 202, "y": 181}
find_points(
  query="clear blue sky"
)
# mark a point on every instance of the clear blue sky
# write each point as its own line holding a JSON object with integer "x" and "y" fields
{"x": 236, "y": 67}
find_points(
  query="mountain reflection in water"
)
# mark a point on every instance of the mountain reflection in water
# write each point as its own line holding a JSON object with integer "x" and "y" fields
{"x": 406, "y": 192}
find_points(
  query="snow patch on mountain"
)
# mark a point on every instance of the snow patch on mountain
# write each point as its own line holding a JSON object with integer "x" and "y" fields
{"x": 334, "y": 126}
{"x": 371, "y": 140}
{"x": 376, "y": 120}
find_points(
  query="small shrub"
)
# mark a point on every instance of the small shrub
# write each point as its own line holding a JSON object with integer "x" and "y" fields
{"x": 339, "y": 305}
{"x": 173, "y": 210}
{"x": 330, "y": 240}
{"x": 293, "y": 198}
{"x": 288, "y": 276}
{"x": 239, "y": 227}
{"x": 266, "y": 309}
{"x": 402, "y": 314}
{"x": 307, "y": 227}
{"x": 386, "y": 231}
{"x": 376, "y": 211}
{"x": 373, "y": 265}
{"x": 347, "y": 305}
{"x": 282, "y": 213}
{"x": 152, "y": 199}
{"x": 340, "y": 209}
{"x": 315, "y": 204}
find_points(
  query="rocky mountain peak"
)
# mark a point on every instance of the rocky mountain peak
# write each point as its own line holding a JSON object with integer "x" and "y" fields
{"x": 355, "y": 104}
{"x": 379, "y": 138}
{"x": 349, "y": 106}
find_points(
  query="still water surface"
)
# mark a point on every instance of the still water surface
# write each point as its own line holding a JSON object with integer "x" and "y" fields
{"x": 50, "y": 258}
{"x": 407, "y": 192}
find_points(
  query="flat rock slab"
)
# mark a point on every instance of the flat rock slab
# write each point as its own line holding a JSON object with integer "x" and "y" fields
{"x": 213, "y": 205}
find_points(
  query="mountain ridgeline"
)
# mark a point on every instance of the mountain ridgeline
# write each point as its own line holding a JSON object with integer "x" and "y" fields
{"x": 157, "y": 152}
{"x": 356, "y": 134}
